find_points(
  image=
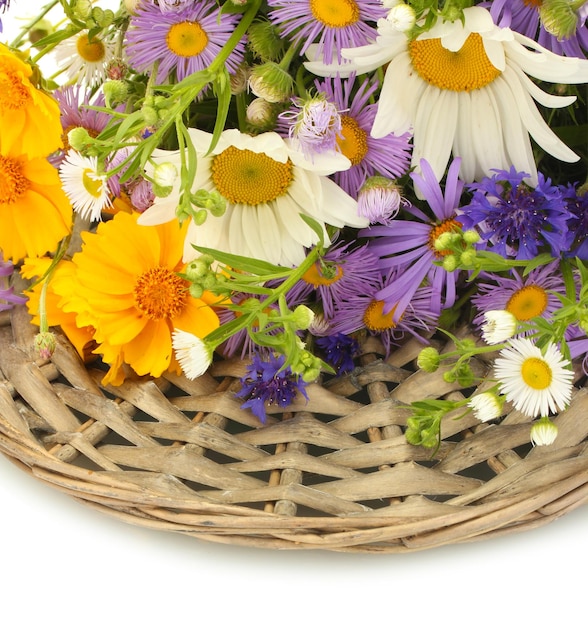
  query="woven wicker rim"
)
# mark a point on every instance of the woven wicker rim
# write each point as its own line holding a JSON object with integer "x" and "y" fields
{"x": 334, "y": 473}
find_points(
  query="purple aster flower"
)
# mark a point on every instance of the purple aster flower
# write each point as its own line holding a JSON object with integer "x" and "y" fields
{"x": 314, "y": 124}
{"x": 577, "y": 343}
{"x": 331, "y": 25}
{"x": 74, "y": 101}
{"x": 515, "y": 219}
{"x": 365, "y": 310}
{"x": 339, "y": 351}
{"x": 379, "y": 200}
{"x": 523, "y": 16}
{"x": 8, "y": 298}
{"x": 4, "y": 5}
{"x": 408, "y": 246}
{"x": 169, "y": 6}
{"x": 577, "y": 205}
{"x": 341, "y": 273}
{"x": 387, "y": 156}
{"x": 525, "y": 297}
{"x": 266, "y": 383}
{"x": 183, "y": 42}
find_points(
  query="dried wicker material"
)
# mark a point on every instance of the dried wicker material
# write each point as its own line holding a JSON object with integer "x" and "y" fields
{"x": 335, "y": 473}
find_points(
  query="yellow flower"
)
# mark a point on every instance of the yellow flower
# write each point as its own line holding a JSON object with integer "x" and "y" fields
{"x": 127, "y": 287}
{"x": 29, "y": 118}
{"x": 35, "y": 214}
{"x": 81, "y": 338}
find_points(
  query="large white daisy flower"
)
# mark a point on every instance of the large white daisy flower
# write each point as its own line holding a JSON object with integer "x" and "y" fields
{"x": 465, "y": 88}
{"x": 536, "y": 383}
{"x": 84, "y": 60}
{"x": 268, "y": 185}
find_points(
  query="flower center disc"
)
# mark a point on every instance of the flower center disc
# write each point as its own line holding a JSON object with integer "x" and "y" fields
{"x": 527, "y": 303}
{"x": 186, "y": 39}
{"x": 375, "y": 319}
{"x": 92, "y": 184}
{"x": 437, "y": 230}
{"x": 533, "y": 3}
{"x": 91, "y": 51}
{"x": 325, "y": 274}
{"x": 13, "y": 94}
{"x": 465, "y": 70}
{"x": 353, "y": 142}
{"x": 160, "y": 293}
{"x": 13, "y": 183}
{"x": 335, "y": 13}
{"x": 536, "y": 373}
{"x": 246, "y": 177}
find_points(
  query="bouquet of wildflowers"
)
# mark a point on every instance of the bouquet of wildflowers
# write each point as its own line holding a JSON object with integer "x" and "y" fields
{"x": 281, "y": 181}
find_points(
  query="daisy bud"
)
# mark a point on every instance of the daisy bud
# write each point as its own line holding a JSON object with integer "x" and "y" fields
{"x": 116, "y": 69}
{"x": 115, "y": 92}
{"x": 468, "y": 257}
{"x": 471, "y": 236}
{"x": 429, "y": 359}
{"x": 270, "y": 82}
{"x": 379, "y": 199}
{"x": 558, "y": 18}
{"x": 45, "y": 344}
{"x": 389, "y": 4}
{"x": 41, "y": 29}
{"x": 499, "y": 326}
{"x": 193, "y": 354}
{"x": 443, "y": 242}
{"x": 79, "y": 139}
{"x": 302, "y": 317}
{"x": 149, "y": 115}
{"x": 265, "y": 41}
{"x": 450, "y": 263}
{"x": 543, "y": 432}
{"x": 402, "y": 17}
{"x": 261, "y": 114}
{"x": 165, "y": 174}
{"x": 238, "y": 80}
{"x": 486, "y": 406}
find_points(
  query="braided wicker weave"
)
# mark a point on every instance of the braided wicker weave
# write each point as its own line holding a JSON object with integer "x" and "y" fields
{"x": 333, "y": 473}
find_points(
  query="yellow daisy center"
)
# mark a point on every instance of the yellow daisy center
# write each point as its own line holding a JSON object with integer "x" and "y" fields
{"x": 91, "y": 50}
{"x": 92, "y": 184}
{"x": 246, "y": 177}
{"x": 186, "y": 39}
{"x": 13, "y": 94}
{"x": 160, "y": 293}
{"x": 527, "y": 302}
{"x": 465, "y": 70}
{"x": 335, "y": 13}
{"x": 536, "y": 373}
{"x": 353, "y": 140}
{"x": 437, "y": 230}
{"x": 323, "y": 274}
{"x": 376, "y": 320}
{"x": 13, "y": 183}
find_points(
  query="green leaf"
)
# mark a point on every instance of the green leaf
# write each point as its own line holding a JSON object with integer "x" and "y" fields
{"x": 243, "y": 263}
{"x": 316, "y": 227}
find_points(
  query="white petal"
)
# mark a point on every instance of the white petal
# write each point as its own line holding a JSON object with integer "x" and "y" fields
{"x": 495, "y": 53}
{"x": 486, "y": 131}
{"x": 462, "y": 146}
{"x": 161, "y": 211}
{"x": 546, "y": 99}
{"x": 339, "y": 208}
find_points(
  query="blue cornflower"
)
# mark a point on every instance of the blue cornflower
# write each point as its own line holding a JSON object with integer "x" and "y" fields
{"x": 339, "y": 351}
{"x": 577, "y": 205}
{"x": 516, "y": 220}
{"x": 267, "y": 384}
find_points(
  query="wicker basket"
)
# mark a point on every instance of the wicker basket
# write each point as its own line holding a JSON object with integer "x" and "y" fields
{"x": 333, "y": 473}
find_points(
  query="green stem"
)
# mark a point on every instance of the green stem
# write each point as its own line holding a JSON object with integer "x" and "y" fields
{"x": 25, "y": 29}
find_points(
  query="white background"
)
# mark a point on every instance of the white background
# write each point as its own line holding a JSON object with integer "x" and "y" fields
{"x": 63, "y": 563}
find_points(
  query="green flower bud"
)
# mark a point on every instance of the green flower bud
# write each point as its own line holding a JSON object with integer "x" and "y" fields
{"x": 302, "y": 317}
{"x": 79, "y": 139}
{"x": 543, "y": 432}
{"x": 82, "y": 9}
{"x": 45, "y": 344}
{"x": 429, "y": 359}
{"x": 115, "y": 92}
{"x": 270, "y": 82}
{"x": 265, "y": 41}
{"x": 196, "y": 290}
{"x": 149, "y": 115}
{"x": 450, "y": 263}
{"x": 41, "y": 29}
{"x": 558, "y": 18}
{"x": 468, "y": 257}
{"x": 471, "y": 236}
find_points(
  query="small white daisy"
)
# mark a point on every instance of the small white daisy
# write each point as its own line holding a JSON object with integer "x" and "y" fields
{"x": 536, "y": 383}
{"x": 486, "y": 406}
{"x": 84, "y": 185}
{"x": 543, "y": 432}
{"x": 193, "y": 354}
{"x": 84, "y": 61}
{"x": 498, "y": 326}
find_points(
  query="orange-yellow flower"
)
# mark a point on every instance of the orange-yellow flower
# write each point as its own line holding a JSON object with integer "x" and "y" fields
{"x": 127, "y": 287}
{"x": 81, "y": 338}
{"x": 29, "y": 118}
{"x": 35, "y": 214}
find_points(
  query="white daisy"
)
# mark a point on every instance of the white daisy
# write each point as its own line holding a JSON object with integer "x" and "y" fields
{"x": 498, "y": 326}
{"x": 465, "y": 88}
{"x": 543, "y": 432}
{"x": 84, "y": 185}
{"x": 486, "y": 406}
{"x": 267, "y": 185}
{"x": 536, "y": 383}
{"x": 193, "y": 354}
{"x": 84, "y": 61}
